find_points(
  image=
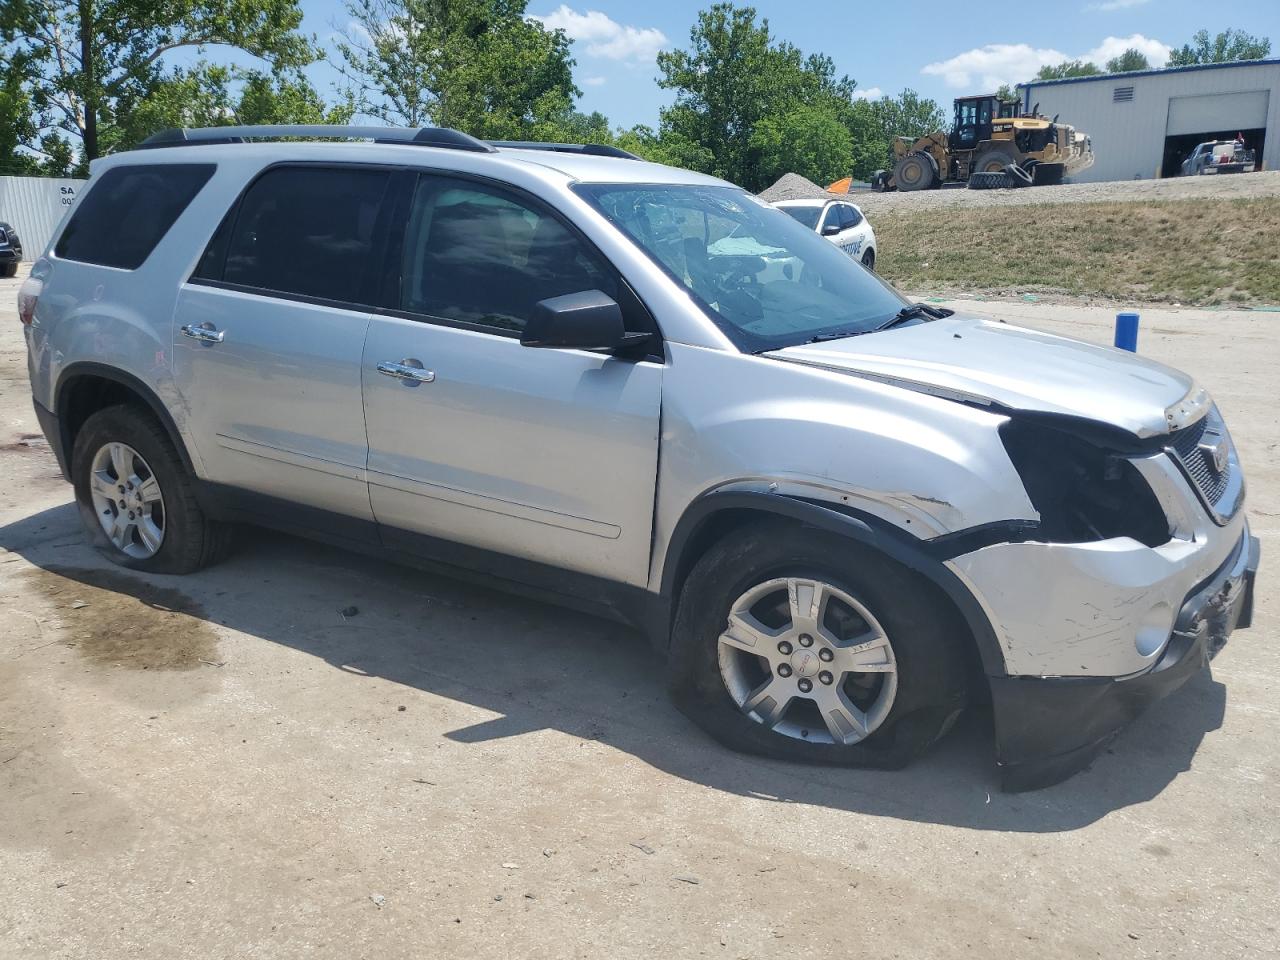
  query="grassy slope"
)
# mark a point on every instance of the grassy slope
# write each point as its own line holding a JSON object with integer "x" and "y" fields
{"x": 1194, "y": 252}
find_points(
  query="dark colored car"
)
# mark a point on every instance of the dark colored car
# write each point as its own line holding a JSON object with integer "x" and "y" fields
{"x": 10, "y": 250}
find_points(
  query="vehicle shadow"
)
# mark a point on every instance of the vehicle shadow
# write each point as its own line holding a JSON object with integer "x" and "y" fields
{"x": 545, "y": 667}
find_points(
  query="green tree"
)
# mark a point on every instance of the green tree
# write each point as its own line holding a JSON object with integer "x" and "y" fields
{"x": 1068, "y": 68}
{"x": 733, "y": 78}
{"x": 476, "y": 65}
{"x": 1225, "y": 47}
{"x": 17, "y": 125}
{"x": 876, "y": 123}
{"x": 808, "y": 140}
{"x": 95, "y": 61}
{"x": 1128, "y": 61}
{"x": 211, "y": 95}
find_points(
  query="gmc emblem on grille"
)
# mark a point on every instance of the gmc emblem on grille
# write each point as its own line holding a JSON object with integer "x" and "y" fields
{"x": 1215, "y": 448}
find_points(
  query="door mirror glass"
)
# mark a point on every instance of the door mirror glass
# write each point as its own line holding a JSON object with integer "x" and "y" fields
{"x": 590, "y": 320}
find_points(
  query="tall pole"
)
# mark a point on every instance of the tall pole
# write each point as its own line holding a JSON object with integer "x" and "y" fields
{"x": 88, "y": 95}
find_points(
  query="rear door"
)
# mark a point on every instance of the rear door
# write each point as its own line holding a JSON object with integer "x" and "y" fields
{"x": 269, "y": 334}
{"x": 549, "y": 455}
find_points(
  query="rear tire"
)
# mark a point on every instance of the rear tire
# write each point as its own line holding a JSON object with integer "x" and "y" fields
{"x": 136, "y": 499}
{"x": 866, "y": 596}
{"x": 992, "y": 161}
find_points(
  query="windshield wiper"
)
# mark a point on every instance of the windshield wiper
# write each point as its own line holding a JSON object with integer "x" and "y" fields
{"x": 836, "y": 335}
{"x": 914, "y": 311}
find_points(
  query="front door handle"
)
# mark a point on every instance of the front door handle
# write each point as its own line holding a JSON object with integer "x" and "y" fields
{"x": 410, "y": 370}
{"x": 205, "y": 333}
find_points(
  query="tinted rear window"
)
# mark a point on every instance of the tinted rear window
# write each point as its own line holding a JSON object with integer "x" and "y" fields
{"x": 306, "y": 231}
{"x": 805, "y": 215}
{"x": 119, "y": 222}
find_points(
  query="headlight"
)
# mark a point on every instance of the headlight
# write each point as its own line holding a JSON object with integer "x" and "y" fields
{"x": 1083, "y": 491}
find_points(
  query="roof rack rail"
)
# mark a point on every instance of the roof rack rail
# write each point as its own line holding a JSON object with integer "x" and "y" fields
{"x": 589, "y": 149}
{"x": 422, "y": 136}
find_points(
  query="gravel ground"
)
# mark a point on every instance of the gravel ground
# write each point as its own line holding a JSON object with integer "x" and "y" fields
{"x": 224, "y": 765}
{"x": 1234, "y": 187}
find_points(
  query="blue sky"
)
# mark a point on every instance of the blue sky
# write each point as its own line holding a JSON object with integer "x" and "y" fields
{"x": 928, "y": 46}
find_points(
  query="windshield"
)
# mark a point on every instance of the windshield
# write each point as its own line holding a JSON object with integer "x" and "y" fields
{"x": 764, "y": 279}
{"x": 805, "y": 216}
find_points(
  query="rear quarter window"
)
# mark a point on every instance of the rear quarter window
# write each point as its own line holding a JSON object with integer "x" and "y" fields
{"x": 128, "y": 211}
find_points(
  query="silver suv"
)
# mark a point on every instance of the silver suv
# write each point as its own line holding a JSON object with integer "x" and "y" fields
{"x": 842, "y": 516}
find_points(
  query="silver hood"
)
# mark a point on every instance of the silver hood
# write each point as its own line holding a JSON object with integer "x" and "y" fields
{"x": 982, "y": 361}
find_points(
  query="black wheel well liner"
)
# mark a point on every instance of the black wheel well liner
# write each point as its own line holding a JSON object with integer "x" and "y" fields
{"x": 713, "y": 515}
{"x": 86, "y": 387}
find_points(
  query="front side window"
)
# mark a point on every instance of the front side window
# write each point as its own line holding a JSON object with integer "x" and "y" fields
{"x": 127, "y": 212}
{"x": 480, "y": 256}
{"x": 849, "y": 217}
{"x": 763, "y": 278}
{"x": 305, "y": 231}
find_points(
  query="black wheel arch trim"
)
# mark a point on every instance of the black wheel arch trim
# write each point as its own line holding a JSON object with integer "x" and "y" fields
{"x": 102, "y": 371}
{"x": 911, "y": 552}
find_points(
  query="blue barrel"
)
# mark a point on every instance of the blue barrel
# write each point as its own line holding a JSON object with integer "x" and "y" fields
{"x": 1127, "y": 331}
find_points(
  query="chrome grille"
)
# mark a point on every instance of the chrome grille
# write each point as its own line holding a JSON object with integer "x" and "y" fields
{"x": 1195, "y": 447}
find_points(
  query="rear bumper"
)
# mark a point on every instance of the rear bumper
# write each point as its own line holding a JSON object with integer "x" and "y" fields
{"x": 1048, "y": 728}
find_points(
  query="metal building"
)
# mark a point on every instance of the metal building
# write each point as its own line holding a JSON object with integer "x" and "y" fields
{"x": 35, "y": 206}
{"x": 1144, "y": 124}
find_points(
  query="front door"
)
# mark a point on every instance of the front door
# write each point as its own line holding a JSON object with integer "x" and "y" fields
{"x": 269, "y": 333}
{"x": 547, "y": 455}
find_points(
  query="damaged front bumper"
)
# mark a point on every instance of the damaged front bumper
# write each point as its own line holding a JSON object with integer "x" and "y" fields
{"x": 1049, "y": 727}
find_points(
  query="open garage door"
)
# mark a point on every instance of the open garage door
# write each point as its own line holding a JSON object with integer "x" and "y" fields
{"x": 1214, "y": 116}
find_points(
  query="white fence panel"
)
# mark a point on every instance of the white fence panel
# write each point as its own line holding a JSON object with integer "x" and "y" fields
{"x": 35, "y": 206}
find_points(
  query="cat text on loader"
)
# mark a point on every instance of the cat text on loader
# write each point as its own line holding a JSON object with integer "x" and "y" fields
{"x": 992, "y": 144}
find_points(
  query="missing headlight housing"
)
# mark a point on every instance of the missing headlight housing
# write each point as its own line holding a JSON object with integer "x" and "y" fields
{"x": 1083, "y": 491}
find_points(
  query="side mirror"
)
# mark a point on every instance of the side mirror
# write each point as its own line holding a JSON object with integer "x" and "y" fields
{"x": 589, "y": 320}
{"x": 830, "y": 229}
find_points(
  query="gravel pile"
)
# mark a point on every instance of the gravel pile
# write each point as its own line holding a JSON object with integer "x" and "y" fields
{"x": 792, "y": 186}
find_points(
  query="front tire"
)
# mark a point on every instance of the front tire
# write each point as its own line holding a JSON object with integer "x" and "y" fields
{"x": 800, "y": 645}
{"x": 136, "y": 499}
{"x": 9, "y": 269}
{"x": 915, "y": 171}
{"x": 869, "y": 258}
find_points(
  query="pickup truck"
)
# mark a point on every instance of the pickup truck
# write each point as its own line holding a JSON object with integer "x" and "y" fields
{"x": 1218, "y": 156}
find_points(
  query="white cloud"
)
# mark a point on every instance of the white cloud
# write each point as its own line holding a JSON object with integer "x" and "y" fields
{"x": 602, "y": 36}
{"x": 871, "y": 93}
{"x": 999, "y": 63}
{"x": 1110, "y": 6}
{"x": 993, "y": 65}
{"x": 1112, "y": 47}
{"x": 594, "y": 81}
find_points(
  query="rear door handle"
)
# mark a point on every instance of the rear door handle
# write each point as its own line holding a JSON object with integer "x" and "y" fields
{"x": 410, "y": 370}
{"x": 205, "y": 333}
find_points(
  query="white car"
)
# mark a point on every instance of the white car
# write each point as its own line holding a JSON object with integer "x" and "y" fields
{"x": 839, "y": 221}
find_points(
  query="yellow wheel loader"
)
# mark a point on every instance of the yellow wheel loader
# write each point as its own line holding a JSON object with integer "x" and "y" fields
{"x": 992, "y": 144}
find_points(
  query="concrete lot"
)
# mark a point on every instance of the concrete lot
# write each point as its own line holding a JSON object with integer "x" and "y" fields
{"x": 225, "y": 766}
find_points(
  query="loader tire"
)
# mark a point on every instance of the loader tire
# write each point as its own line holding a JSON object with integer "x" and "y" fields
{"x": 915, "y": 171}
{"x": 992, "y": 161}
{"x": 989, "y": 181}
{"x": 1017, "y": 176}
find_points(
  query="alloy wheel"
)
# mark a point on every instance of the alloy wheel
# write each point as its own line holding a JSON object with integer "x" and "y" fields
{"x": 807, "y": 660}
{"x": 127, "y": 500}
